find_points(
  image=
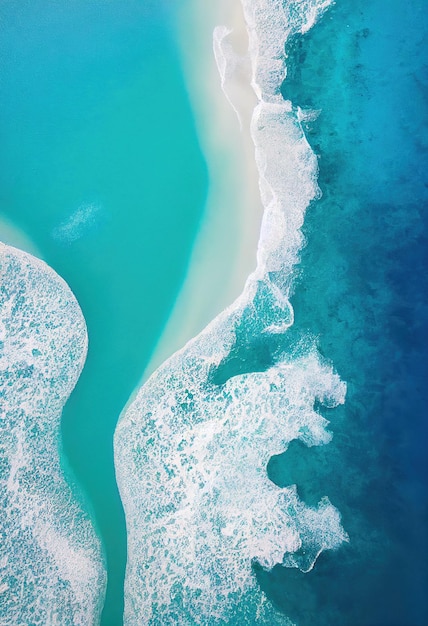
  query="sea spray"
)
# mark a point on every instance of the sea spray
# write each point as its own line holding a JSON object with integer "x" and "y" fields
{"x": 192, "y": 448}
{"x": 52, "y": 570}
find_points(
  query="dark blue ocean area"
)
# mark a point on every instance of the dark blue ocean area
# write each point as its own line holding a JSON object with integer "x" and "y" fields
{"x": 362, "y": 290}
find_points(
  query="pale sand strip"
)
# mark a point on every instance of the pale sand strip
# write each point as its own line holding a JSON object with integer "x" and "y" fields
{"x": 12, "y": 236}
{"x": 225, "y": 250}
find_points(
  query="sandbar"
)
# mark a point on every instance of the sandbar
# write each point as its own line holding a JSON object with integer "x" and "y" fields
{"x": 225, "y": 250}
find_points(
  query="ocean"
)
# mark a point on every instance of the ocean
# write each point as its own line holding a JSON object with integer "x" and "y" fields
{"x": 273, "y": 470}
{"x": 361, "y": 289}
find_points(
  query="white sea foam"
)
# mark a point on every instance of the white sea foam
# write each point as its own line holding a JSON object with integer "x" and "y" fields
{"x": 270, "y": 23}
{"x": 227, "y": 61}
{"x": 191, "y": 455}
{"x": 191, "y": 468}
{"x": 77, "y": 224}
{"x": 52, "y": 571}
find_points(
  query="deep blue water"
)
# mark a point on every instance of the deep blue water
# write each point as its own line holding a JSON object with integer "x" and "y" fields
{"x": 362, "y": 288}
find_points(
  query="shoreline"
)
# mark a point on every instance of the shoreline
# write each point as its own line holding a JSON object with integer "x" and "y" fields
{"x": 225, "y": 249}
{"x": 11, "y": 235}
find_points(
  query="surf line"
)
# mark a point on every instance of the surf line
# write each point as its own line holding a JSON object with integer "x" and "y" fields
{"x": 191, "y": 448}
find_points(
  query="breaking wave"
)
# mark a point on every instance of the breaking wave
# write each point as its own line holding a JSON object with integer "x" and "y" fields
{"x": 192, "y": 448}
{"x": 52, "y": 570}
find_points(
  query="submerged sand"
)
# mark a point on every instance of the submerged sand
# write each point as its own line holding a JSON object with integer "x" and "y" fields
{"x": 224, "y": 253}
{"x": 13, "y": 236}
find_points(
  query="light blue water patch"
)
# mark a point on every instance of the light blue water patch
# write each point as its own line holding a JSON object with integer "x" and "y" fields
{"x": 52, "y": 569}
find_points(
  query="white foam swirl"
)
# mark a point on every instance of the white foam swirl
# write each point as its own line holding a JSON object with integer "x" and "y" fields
{"x": 227, "y": 61}
{"x": 52, "y": 571}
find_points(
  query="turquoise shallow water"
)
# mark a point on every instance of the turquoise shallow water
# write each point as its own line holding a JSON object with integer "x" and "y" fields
{"x": 100, "y": 167}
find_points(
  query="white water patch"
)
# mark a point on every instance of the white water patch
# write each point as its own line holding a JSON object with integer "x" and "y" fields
{"x": 227, "y": 63}
{"x": 191, "y": 460}
{"x": 78, "y": 224}
{"x": 288, "y": 183}
{"x": 191, "y": 455}
{"x": 52, "y": 570}
{"x": 270, "y": 23}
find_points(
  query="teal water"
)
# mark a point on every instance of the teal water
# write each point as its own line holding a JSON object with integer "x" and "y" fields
{"x": 101, "y": 168}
